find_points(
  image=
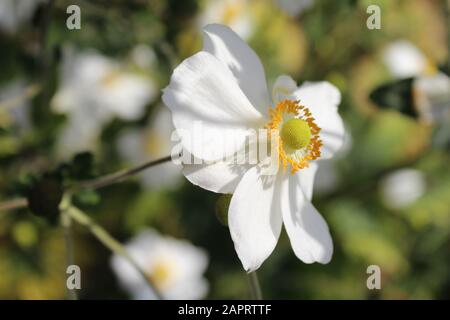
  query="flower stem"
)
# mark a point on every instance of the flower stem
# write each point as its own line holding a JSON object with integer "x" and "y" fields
{"x": 255, "y": 288}
{"x": 108, "y": 241}
{"x": 66, "y": 222}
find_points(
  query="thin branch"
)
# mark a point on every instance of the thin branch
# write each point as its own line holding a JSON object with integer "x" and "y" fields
{"x": 97, "y": 183}
{"x": 119, "y": 176}
{"x": 108, "y": 241}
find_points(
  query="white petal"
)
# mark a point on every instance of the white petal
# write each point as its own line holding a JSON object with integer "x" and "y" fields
{"x": 404, "y": 59}
{"x": 190, "y": 289}
{"x": 432, "y": 97}
{"x": 283, "y": 87}
{"x": 127, "y": 96}
{"x": 254, "y": 218}
{"x": 322, "y": 98}
{"x": 138, "y": 248}
{"x": 191, "y": 261}
{"x": 220, "y": 176}
{"x": 80, "y": 134}
{"x": 305, "y": 178}
{"x": 143, "y": 292}
{"x": 210, "y": 112}
{"x": 403, "y": 187}
{"x": 138, "y": 146}
{"x": 228, "y": 47}
{"x": 307, "y": 230}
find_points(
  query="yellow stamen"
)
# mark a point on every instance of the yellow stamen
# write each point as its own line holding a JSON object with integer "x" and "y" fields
{"x": 160, "y": 273}
{"x": 298, "y": 140}
{"x": 295, "y": 133}
{"x": 110, "y": 79}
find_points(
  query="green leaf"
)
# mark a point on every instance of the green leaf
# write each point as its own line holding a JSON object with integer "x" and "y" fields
{"x": 86, "y": 197}
{"x": 82, "y": 166}
{"x": 44, "y": 197}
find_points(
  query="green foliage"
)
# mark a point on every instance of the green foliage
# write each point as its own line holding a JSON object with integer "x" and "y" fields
{"x": 44, "y": 197}
{"x": 81, "y": 167}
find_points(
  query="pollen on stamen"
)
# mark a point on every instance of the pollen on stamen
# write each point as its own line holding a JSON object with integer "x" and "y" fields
{"x": 296, "y": 159}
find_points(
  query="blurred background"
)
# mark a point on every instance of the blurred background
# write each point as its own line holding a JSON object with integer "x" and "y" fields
{"x": 75, "y": 104}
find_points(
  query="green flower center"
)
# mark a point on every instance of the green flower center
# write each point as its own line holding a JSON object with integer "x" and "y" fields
{"x": 295, "y": 133}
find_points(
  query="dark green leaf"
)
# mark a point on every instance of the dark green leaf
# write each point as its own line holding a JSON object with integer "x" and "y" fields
{"x": 396, "y": 96}
{"x": 44, "y": 197}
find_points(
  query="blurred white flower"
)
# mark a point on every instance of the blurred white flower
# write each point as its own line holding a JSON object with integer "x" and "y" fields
{"x": 19, "y": 112}
{"x": 294, "y": 7}
{"x": 152, "y": 142}
{"x": 176, "y": 267}
{"x": 402, "y": 188}
{"x": 404, "y": 59}
{"x": 431, "y": 88}
{"x": 94, "y": 89}
{"x": 233, "y": 13}
{"x": 15, "y": 12}
{"x": 143, "y": 56}
{"x": 432, "y": 97}
{"x": 224, "y": 88}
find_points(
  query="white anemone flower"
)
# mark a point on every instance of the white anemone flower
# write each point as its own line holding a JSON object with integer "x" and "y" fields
{"x": 404, "y": 59}
{"x": 144, "y": 56}
{"x": 233, "y": 13}
{"x": 402, "y": 188}
{"x": 223, "y": 88}
{"x": 431, "y": 87}
{"x": 175, "y": 267}
{"x": 95, "y": 89}
{"x": 152, "y": 142}
{"x": 15, "y": 12}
